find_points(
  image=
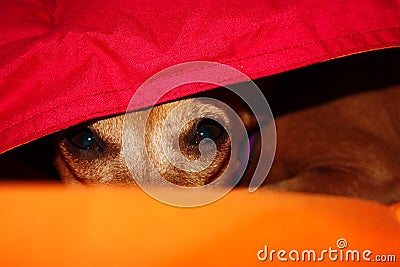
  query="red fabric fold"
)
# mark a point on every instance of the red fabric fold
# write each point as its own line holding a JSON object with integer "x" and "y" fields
{"x": 64, "y": 62}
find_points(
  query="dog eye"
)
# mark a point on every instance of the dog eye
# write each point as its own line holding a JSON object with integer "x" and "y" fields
{"x": 208, "y": 129}
{"x": 85, "y": 139}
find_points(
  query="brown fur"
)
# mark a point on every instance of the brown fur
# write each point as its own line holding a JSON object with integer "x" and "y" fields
{"x": 349, "y": 146}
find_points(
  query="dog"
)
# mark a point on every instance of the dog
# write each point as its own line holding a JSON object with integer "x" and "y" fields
{"x": 345, "y": 142}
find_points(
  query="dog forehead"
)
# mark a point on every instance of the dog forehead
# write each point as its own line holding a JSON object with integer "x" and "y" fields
{"x": 171, "y": 117}
{"x": 179, "y": 114}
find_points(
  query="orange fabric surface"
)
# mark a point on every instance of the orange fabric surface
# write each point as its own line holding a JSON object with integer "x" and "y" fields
{"x": 53, "y": 225}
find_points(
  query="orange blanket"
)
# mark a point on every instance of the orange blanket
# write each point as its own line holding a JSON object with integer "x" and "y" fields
{"x": 58, "y": 226}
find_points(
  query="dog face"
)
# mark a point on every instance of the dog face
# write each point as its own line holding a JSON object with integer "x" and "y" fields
{"x": 94, "y": 153}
